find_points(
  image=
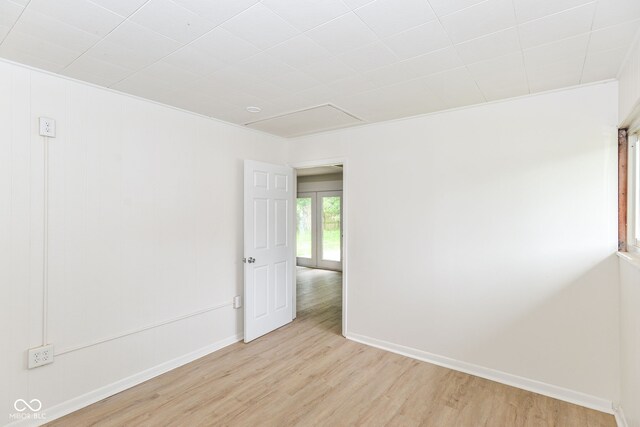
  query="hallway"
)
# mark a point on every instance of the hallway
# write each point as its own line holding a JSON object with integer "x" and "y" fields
{"x": 306, "y": 373}
{"x": 319, "y": 298}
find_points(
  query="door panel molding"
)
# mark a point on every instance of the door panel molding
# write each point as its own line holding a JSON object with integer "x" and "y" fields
{"x": 268, "y": 247}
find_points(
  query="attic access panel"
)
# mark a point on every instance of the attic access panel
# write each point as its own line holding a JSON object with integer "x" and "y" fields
{"x": 307, "y": 121}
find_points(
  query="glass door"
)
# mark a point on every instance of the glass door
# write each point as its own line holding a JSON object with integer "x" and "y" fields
{"x": 306, "y": 229}
{"x": 319, "y": 229}
{"x": 330, "y": 229}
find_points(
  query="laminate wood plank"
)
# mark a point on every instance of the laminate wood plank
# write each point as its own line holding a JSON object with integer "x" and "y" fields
{"x": 307, "y": 374}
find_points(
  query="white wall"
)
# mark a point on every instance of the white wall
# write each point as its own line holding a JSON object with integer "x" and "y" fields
{"x": 500, "y": 252}
{"x": 630, "y": 341}
{"x": 145, "y": 226}
{"x": 499, "y": 237}
{"x": 629, "y": 116}
{"x": 629, "y": 77}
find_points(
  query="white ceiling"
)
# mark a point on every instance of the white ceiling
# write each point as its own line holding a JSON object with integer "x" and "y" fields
{"x": 375, "y": 59}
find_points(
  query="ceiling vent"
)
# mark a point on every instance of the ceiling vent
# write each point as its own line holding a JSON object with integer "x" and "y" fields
{"x": 304, "y": 122}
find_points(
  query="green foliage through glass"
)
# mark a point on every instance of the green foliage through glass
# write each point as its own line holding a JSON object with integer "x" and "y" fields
{"x": 303, "y": 227}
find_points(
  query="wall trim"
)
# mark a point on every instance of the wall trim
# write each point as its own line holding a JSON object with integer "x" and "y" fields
{"x": 630, "y": 258}
{"x": 143, "y": 328}
{"x": 94, "y": 396}
{"x": 550, "y": 390}
{"x": 621, "y": 421}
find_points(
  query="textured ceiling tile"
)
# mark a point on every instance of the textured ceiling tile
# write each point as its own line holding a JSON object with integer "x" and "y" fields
{"x": 194, "y": 61}
{"x": 307, "y": 14}
{"x": 299, "y": 52}
{"x": 389, "y": 17}
{"x": 527, "y": 10}
{"x": 446, "y": 7}
{"x": 455, "y": 87}
{"x": 479, "y": 20}
{"x": 490, "y": 46}
{"x": 81, "y": 14}
{"x": 54, "y": 31}
{"x": 9, "y": 13}
{"x": 121, "y": 7}
{"x": 557, "y": 51}
{"x": 329, "y": 70}
{"x": 95, "y": 71}
{"x": 261, "y": 27}
{"x": 602, "y": 65}
{"x": 617, "y": 36}
{"x": 612, "y": 12}
{"x": 343, "y": 34}
{"x": 369, "y": 57}
{"x": 31, "y": 50}
{"x": 133, "y": 46}
{"x": 564, "y": 73}
{"x": 556, "y": 27}
{"x": 171, "y": 20}
{"x": 224, "y": 46}
{"x": 216, "y": 11}
{"x": 418, "y": 40}
{"x": 498, "y": 68}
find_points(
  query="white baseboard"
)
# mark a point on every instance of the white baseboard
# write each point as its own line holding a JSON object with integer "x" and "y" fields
{"x": 621, "y": 421}
{"x": 534, "y": 386}
{"x": 94, "y": 396}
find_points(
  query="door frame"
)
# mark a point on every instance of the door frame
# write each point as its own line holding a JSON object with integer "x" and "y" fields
{"x": 345, "y": 231}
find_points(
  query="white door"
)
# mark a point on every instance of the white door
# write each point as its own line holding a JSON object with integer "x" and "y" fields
{"x": 268, "y": 248}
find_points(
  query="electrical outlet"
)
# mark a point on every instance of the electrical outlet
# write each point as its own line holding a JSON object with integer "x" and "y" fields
{"x": 47, "y": 127}
{"x": 40, "y": 356}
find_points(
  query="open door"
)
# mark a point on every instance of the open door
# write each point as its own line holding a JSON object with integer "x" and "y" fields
{"x": 268, "y": 248}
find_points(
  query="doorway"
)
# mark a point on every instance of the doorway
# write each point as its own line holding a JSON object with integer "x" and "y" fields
{"x": 320, "y": 229}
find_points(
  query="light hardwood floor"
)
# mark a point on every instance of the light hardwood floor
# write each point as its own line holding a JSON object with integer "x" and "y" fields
{"x": 306, "y": 373}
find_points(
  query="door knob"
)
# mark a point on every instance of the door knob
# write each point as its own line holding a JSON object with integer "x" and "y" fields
{"x": 251, "y": 260}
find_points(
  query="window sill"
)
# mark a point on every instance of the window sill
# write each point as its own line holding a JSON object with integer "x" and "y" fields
{"x": 632, "y": 258}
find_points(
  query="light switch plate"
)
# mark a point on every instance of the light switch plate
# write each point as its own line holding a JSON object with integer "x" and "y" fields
{"x": 47, "y": 127}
